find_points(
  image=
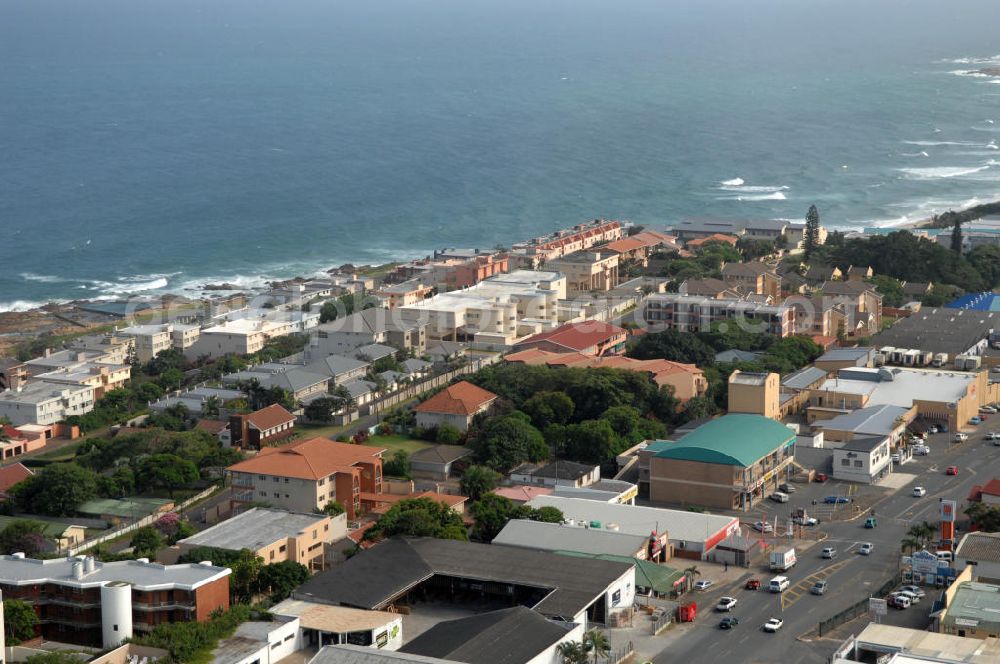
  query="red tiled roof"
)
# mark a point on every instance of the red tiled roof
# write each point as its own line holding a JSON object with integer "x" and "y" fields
{"x": 387, "y": 500}
{"x": 522, "y": 494}
{"x": 992, "y": 488}
{"x": 269, "y": 417}
{"x": 577, "y": 336}
{"x": 714, "y": 237}
{"x": 462, "y": 398}
{"x": 12, "y": 474}
{"x": 211, "y": 426}
{"x": 12, "y": 432}
{"x": 309, "y": 459}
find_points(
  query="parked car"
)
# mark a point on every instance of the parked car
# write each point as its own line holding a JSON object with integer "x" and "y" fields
{"x": 836, "y": 500}
{"x": 989, "y": 410}
{"x": 779, "y": 497}
{"x": 729, "y": 622}
{"x": 913, "y": 597}
{"x": 992, "y": 435}
{"x": 921, "y": 450}
{"x": 763, "y": 527}
{"x": 787, "y": 488}
{"x": 725, "y": 604}
{"x": 821, "y": 477}
{"x": 704, "y": 584}
{"x": 960, "y": 437}
{"x": 919, "y": 492}
{"x": 899, "y": 602}
{"x": 819, "y": 588}
{"x": 975, "y": 420}
{"x": 773, "y": 625}
{"x": 866, "y": 548}
{"x": 916, "y": 590}
{"x": 932, "y": 429}
{"x": 829, "y": 552}
{"x": 805, "y": 520}
{"x": 951, "y": 470}
{"x": 896, "y": 457}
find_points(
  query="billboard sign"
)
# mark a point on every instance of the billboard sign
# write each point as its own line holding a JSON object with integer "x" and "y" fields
{"x": 948, "y": 509}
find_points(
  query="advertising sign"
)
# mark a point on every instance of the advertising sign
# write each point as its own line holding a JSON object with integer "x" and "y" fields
{"x": 877, "y": 607}
{"x": 948, "y": 509}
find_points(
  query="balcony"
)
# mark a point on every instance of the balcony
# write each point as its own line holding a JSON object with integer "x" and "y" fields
{"x": 160, "y": 606}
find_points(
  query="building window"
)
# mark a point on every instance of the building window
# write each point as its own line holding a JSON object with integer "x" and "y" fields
{"x": 859, "y": 464}
{"x": 845, "y": 462}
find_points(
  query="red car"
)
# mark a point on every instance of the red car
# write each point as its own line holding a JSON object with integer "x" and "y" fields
{"x": 821, "y": 477}
{"x": 952, "y": 470}
{"x": 753, "y": 584}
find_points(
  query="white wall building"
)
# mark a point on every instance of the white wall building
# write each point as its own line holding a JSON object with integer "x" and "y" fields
{"x": 864, "y": 459}
{"x": 45, "y": 403}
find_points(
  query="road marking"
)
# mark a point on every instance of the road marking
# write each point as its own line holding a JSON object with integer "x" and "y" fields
{"x": 800, "y": 589}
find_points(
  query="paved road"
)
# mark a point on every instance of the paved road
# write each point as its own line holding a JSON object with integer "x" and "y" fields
{"x": 851, "y": 576}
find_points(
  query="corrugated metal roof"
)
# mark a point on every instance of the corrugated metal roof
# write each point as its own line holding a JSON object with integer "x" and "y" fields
{"x": 734, "y": 440}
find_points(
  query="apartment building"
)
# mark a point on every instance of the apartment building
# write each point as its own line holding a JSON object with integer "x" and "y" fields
{"x": 150, "y": 340}
{"x": 639, "y": 247}
{"x": 863, "y": 305}
{"x": 45, "y": 403}
{"x": 305, "y": 475}
{"x": 183, "y": 337}
{"x": 261, "y": 428}
{"x": 102, "y": 377}
{"x": 587, "y": 271}
{"x": 407, "y": 292}
{"x": 84, "y": 601}
{"x": 754, "y": 277}
{"x": 689, "y": 313}
{"x": 114, "y": 348}
{"x": 371, "y": 326}
{"x": 470, "y": 272}
{"x": 537, "y": 252}
{"x": 242, "y": 336}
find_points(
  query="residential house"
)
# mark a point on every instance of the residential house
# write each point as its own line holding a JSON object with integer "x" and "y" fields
{"x": 14, "y": 442}
{"x": 860, "y": 273}
{"x": 10, "y": 475}
{"x": 754, "y": 277}
{"x": 639, "y": 247}
{"x": 556, "y": 473}
{"x": 820, "y": 274}
{"x": 590, "y": 337}
{"x": 917, "y": 290}
{"x": 711, "y": 288}
{"x": 988, "y": 494}
{"x": 697, "y": 244}
{"x": 303, "y": 385}
{"x": 455, "y": 405}
{"x": 338, "y": 368}
{"x": 374, "y": 352}
{"x": 535, "y": 253}
{"x": 436, "y": 462}
{"x": 306, "y": 475}
{"x": 261, "y": 428}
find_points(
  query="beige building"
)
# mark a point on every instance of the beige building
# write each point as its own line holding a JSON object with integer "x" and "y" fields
{"x": 535, "y": 253}
{"x": 242, "y": 336}
{"x": 754, "y": 277}
{"x": 587, "y": 271}
{"x": 150, "y": 340}
{"x": 689, "y": 313}
{"x": 101, "y": 377}
{"x": 274, "y": 535}
{"x": 755, "y": 394}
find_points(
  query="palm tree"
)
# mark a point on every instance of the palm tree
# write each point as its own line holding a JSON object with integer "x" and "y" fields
{"x": 911, "y": 544}
{"x": 689, "y": 574}
{"x": 922, "y": 532}
{"x": 572, "y": 652}
{"x": 597, "y": 643}
{"x": 210, "y": 408}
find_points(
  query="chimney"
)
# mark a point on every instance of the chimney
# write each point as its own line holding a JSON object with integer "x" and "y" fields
{"x": 48, "y": 352}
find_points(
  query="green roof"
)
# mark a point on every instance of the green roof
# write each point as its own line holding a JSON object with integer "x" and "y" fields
{"x": 732, "y": 440}
{"x": 51, "y": 529}
{"x": 658, "y": 445}
{"x": 660, "y": 578}
{"x": 126, "y": 507}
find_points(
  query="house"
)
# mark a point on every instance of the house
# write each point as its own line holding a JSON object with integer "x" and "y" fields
{"x": 988, "y": 494}
{"x": 698, "y": 244}
{"x": 102, "y": 604}
{"x": 338, "y": 368}
{"x": 216, "y": 428}
{"x": 274, "y": 535}
{"x": 261, "y": 428}
{"x": 361, "y": 391}
{"x": 753, "y": 277}
{"x": 819, "y": 274}
{"x": 455, "y": 405}
{"x": 384, "y": 576}
{"x": 863, "y": 459}
{"x": 556, "y": 473}
{"x": 446, "y": 351}
{"x": 860, "y": 273}
{"x": 590, "y": 337}
{"x": 981, "y": 551}
{"x": 436, "y": 462}
{"x": 374, "y": 352}
{"x": 10, "y": 475}
{"x": 305, "y": 475}
{"x": 711, "y": 288}
{"x": 370, "y": 326}
{"x": 527, "y": 638}
{"x": 917, "y": 290}
{"x": 14, "y": 442}
{"x": 639, "y": 247}
{"x": 587, "y": 271}
{"x": 292, "y": 378}
{"x": 415, "y": 367}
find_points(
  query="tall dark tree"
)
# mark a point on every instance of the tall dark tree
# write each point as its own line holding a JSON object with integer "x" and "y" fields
{"x": 956, "y": 237}
{"x": 811, "y": 239}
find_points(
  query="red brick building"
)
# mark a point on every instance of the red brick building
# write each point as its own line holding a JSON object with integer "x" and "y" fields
{"x": 261, "y": 428}
{"x": 587, "y": 338}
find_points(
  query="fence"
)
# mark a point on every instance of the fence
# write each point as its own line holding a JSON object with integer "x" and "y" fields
{"x": 417, "y": 389}
{"x": 618, "y": 655}
{"x": 858, "y": 609}
{"x": 136, "y": 525}
{"x": 661, "y": 623}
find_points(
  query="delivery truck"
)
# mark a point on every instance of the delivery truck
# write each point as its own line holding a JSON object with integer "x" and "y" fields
{"x": 782, "y": 558}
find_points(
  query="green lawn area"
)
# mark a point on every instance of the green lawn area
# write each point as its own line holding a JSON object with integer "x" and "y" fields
{"x": 318, "y": 431}
{"x": 397, "y": 442}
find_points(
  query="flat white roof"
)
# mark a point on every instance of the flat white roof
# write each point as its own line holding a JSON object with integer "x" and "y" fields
{"x": 254, "y": 529}
{"x": 147, "y": 576}
{"x": 906, "y": 386}
{"x": 144, "y": 330}
{"x": 638, "y": 520}
{"x": 40, "y": 391}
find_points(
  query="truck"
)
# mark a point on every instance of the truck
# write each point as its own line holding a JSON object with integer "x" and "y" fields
{"x": 940, "y": 359}
{"x": 782, "y": 558}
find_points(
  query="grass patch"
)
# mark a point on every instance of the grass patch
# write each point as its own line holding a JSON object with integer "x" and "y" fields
{"x": 319, "y": 430}
{"x": 397, "y": 442}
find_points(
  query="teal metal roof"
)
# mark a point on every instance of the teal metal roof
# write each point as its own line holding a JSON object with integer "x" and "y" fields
{"x": 660, "y": 578}
{"x": 658, "y": 445}
{"x": 732, "y": 440}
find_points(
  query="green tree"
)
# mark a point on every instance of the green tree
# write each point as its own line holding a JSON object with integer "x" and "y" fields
{"x": 148, "y": 392}
{"x": 211, "y": 407}
{"x": 328, "y": 312}
{"x": 890, "y": 289}
{"x": 171, "y": 379}
{"x": 491, "y": 513}
{"x": 593, "y": 441}
{"x": 398, "y": 465}
{"x": 419, "y": 517}
{"x": 23, "y": 536}
{"x": 597, "y": 642}
{"x": 477, "y": 481}
{"x": 811, "y": 239}
{"x": 548, "y": 514}
{"x": 57, "y": 490}
{"x": 985, "y": 259}
{"x": 504, "y": 442}
{"x": 280, "y": 579}
{"x": 244, "y": 581}
{"x": 322, "y": 409}
{"x": 447, "y": 434}
{"x": 675, "y": 346}
{"x": 690, "y": 574}
{"x": 167, "y": 471}
{"x": 956, "y": 238}
{"x": 146, "y": 541}
{"x": 19, "y": 621}
{"x": 333, "y": 508}
{"x": 547, "y": 408}
{"x": 573, "y": 652}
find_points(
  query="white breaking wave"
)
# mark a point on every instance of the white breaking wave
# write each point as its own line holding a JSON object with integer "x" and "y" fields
{"x": 973, "y": 60}
{"x": 942, "y": 172}
{"x": 776, "y": 196}
{"x": 968, "y": 144}
{"x": 971, "y": 73}
{"x": 24, "y": 305}
{"x": 44, "y": 278}
{"x": 735, "y": 182}
{"x": 916, "y": 154}
{"x": 137, "y": 286}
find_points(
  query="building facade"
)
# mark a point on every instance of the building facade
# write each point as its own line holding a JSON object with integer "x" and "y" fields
{"x": 689, "y": 313}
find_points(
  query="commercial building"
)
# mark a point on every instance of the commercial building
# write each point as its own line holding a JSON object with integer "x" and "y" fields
{"x": 948, "y": 397}
{"x": 608, "y": 491}
{"x": 732, "y": 462}
{"x": 942, "y": 330}
{"x": 359, "y": 655}
{"x": 587, "y": 592}
{"x": 691, "y": 534}
{"x": 587, "y": 271}
{"x": 755, "y": 394}
{"x": 45, "y": 403}
{"x": 689, "y": 313}
{"x": 845, "y": 358}
{"x": 888, "y": 644}
{"x": 581, "y": 538}
{"x": 981, "y": 552}
{"x": 274, "y": 535}
{"x": 85, "y": 601}
{"x": 322, "y": 625}
{"x": 863, "y": 459}
{"x": 455, "y": 405}
{"x": 556, "y": 473}
{"x": 971, "y": 609}
{"x": 261, "y": 428}
{"x": 305, "y": 475}
{"x": 885, "y": 421}
{"x": 526, "y": 637}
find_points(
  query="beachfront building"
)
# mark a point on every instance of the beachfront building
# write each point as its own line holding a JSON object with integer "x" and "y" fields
{"x": 150, "y": 340}
{"x": 768, "y": 230}
{"x": 494, "y": 313}
{"x": 535, "y": 253}
{"x": 639, "y": 247}
{"x": 862, "y": 303}
{"x": 45, "y": 403}
{"x": 689, "y": 313}
{"x": 587, "y": 271}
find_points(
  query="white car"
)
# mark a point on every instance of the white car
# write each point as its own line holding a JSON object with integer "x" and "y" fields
{"x": 896, "y": 458}
{"x": 829, "y": 552}
{"x": 932, "y": 429}
{"x": 913, "y": 597}
{"x": 726, "y": 604}
{"x": 919, "y": 492}
{"x": 961, "y": 437}
{"x": 916, "y": 590}
{"x": 991, "y": 436}
{"x": 703, "y": 585}
{"x": 921, "y": 450}
{"x": 806, "y": 520}
{"x": 989, "y": 410}
{"x": 773, "y": 625}
{"x": 763, "y": 526}
{"x": 866, "y": 548}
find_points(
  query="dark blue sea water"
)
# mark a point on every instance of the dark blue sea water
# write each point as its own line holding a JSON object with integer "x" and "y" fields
{"x": 155, "y": 144}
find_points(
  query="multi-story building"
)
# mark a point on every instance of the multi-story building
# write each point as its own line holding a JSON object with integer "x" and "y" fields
{"x": 473, "y": 270}
{"x": 183, "y": 337}
{"x": 755, "y": 394}
{"x": 863, "y": 305}
{"x": 863, "y": 459}
{"x": 371, "y": 326}
{"x": 535, "y": 253}
{"x": 306, "y": 475}
{"x": 150, "y": 340}
{"x": 732, "y": 462}
{"x": 407, "y": 292}
{"x": 689, "y": 313}
{"x": 768, "y": 230}
{"x": 45, "y": 403}
{"x": 587, "y": 271}
{"x": 754, "y": 277}
{"x": 261, "y": 428}
{"x": 102, "y": 377}
{"x": 88, "y": 602}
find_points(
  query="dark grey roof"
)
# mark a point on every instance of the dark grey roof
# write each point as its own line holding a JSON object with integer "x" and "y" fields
{"x": 336, "y": 365}
{"x": 374, "y": 352}
{"x": 872, "y": 420}
{"x": 344, "y": 654}
{"x": 709, "y": 286}
{"x": 446, "y": 348}
{"x": 981, "y": 547}
{"x": 943, "y": 330}
{"x": 440, "y": 454}
{"x": 863, "y": 443}
{"x": 509, "y": 636}
{"x": 803, "y": 378}
{"x": 373, "y": 578}
{"x": 860, "y": 354}
{"x": 414, "y": 365}
{"x": 852, "y": 288}
{"x": 751, "y": 269}
{"x": 735, "y": 355}
{"x": 563, "y": 470}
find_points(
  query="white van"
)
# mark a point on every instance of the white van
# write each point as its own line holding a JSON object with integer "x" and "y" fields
{"x": 778, "y": 584}
{"x": 944, "y": 556}
{"x": 779, "y": 497}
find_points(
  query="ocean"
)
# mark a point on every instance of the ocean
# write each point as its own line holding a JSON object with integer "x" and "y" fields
{"x": 151, "y": 146}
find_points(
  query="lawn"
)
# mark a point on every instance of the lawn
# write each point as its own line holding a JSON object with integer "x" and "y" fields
{"x": 319, "y": 430}
{"x": 397, "y": 442}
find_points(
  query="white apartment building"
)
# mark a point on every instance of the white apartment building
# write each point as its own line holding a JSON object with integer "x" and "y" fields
{"x": 693, "y": 313}
{"x": 183, "y": 337}
{"x": 45, "y": 403}
{"x": 494, "y": 313}
{"x": 150, "y": 340}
